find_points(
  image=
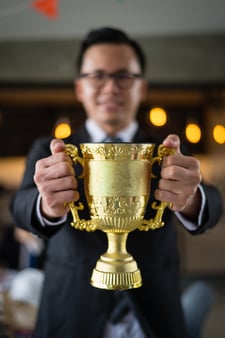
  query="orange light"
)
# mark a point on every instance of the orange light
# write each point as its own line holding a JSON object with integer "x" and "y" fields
{"x": 193, "y": 133}
{"x": 62, "y": 130}
{"x": 158, "y": 116}
{"x": 219, "y": 134}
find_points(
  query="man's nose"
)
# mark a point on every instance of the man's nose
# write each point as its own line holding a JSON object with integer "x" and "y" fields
{"x": 110, "y": 84}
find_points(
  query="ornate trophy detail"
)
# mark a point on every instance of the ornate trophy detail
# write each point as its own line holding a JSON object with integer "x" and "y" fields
{"x": 117, "y": 182}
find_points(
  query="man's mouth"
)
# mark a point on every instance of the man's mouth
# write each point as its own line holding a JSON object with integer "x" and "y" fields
{"x": 111, "y": 105}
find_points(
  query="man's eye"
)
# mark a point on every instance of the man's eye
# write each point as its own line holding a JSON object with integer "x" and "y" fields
{"x": 98, "y": 76}
{"x": 123, "y": 76}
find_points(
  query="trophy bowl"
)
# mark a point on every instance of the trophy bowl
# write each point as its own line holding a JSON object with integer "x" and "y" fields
{"x": 117, "y": 182}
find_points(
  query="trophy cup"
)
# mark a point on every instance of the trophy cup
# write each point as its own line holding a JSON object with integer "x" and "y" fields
{"x": 117, "y": 182}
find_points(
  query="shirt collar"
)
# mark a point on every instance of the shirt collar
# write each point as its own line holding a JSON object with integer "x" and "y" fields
{"x": 97, "y": 134}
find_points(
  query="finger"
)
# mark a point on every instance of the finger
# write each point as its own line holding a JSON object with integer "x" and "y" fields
{"x": 57, "y": 145}
{"x": 60, "y": 184}
{"x": 53, "y": 205}
{"x": 175, "y": 162}
{"x": 55, "y": 192}
{"x": 172, "y": 141}
{"x": 177, "y": 201}
{"x": 182, "y": 176}
{"x": 178, "y": 187}
{"x": 58, "y": 159}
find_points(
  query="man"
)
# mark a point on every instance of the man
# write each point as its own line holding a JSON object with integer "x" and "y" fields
{"x": 110, "y": 86}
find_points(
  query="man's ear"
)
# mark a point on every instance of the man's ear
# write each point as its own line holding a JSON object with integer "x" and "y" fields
{"x": 144, "y": 90}
{"x": 78, "y": 90}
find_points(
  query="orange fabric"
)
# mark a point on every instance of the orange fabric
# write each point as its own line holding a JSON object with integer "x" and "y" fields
{"x": 47, "y": 7}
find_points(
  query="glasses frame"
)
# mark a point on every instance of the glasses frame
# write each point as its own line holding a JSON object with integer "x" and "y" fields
{"x": 115, "y": 76}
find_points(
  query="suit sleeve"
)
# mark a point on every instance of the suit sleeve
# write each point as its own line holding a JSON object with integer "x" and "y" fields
{"x": 23, "y": 205}
{"x": 213, "y": 208}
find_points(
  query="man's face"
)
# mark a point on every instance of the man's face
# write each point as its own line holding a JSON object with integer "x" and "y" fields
{"x": 112, "y": 107}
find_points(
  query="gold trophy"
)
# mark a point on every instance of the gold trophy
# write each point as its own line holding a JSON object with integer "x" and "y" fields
{"x": 117, "y": 182}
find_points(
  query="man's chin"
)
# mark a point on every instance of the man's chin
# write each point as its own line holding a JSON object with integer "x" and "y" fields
{"x": 112, "y": 122}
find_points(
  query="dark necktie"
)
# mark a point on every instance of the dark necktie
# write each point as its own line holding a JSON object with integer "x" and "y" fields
{"x": 120, "y": 307}
{"x": 112, "y": 139}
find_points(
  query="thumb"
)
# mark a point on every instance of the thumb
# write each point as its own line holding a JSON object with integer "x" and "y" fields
{"x": 57, "y": 146}
{"x": 172, "y": 141}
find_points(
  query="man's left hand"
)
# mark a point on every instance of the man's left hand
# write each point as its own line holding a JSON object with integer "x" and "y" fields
{"x": 180, "y": 177}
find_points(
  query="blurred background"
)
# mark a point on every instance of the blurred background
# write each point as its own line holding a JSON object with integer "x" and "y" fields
{"x": 185, "y": 46}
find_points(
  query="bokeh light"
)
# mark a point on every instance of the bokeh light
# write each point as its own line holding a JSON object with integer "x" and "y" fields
{"x": 62, "y": 130}
{"x": 219, "y": 133}
{"x": 193, "y": 133}
{"x": 158, "y": 116}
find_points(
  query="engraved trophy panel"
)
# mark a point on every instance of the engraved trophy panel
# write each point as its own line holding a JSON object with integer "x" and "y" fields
{"x": 117, "y": 184}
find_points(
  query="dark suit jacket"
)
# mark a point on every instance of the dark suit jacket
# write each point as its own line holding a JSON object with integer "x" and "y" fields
{"x": 70, "y": 307}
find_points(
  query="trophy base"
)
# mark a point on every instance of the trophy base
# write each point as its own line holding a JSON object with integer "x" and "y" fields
{"x": 116, "y": 280}
{"x": 116, "y": 272}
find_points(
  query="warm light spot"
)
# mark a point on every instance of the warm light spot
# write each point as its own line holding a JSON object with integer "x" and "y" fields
{"x": 158, "y": 116}
{"x": 193, "y": 133}
{"x": 62, "y": 130}
{"x": 219, "y": 134}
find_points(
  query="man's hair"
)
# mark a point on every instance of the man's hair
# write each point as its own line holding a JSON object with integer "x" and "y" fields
{"x": 110, "y": 35}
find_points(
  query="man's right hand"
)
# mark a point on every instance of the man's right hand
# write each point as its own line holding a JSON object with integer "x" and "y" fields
{"x": 56, "y": 182}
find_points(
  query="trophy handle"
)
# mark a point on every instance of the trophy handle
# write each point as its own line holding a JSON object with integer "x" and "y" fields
{"x": 156, "y": 222}
{"x": 80, "y": 224}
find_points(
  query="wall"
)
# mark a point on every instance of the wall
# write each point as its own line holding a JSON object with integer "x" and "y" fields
{"x": 198, "y": 59}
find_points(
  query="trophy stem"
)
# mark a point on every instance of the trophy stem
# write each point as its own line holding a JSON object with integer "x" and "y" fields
{"x": 116, "y": 269}
{"x": 117, "y": 244}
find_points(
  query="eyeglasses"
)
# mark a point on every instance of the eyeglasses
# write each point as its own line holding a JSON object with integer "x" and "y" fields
{"x": 123, "y": 79}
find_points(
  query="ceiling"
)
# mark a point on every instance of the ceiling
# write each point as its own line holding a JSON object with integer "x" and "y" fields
{"x": 18, "y": 20}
